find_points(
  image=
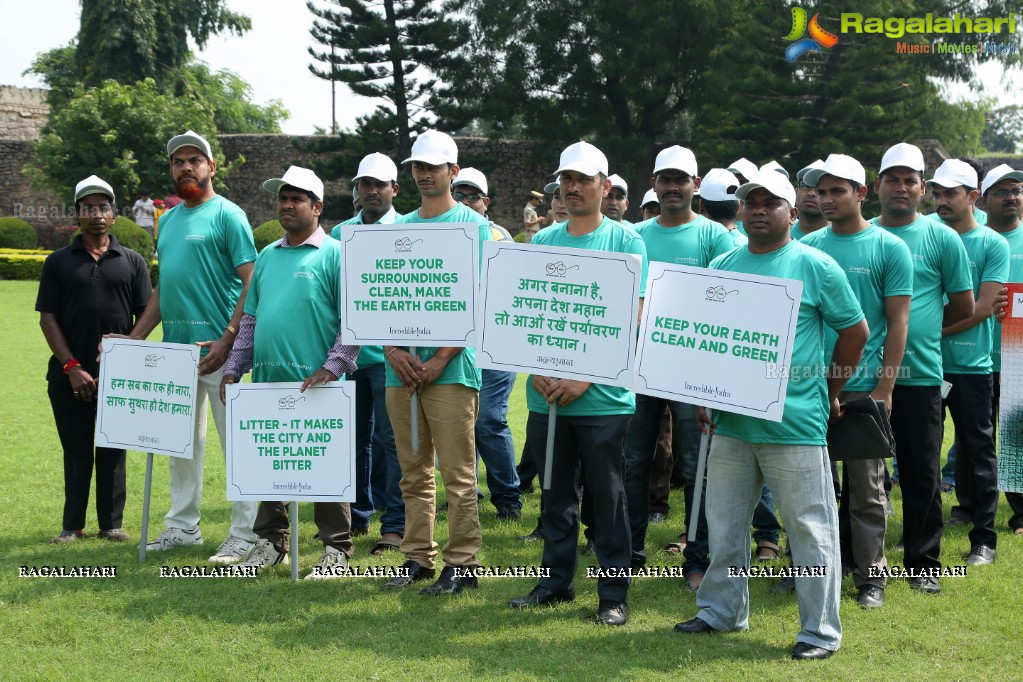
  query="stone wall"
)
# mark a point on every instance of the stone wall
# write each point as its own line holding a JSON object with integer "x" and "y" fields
{"x": 17, "y": 198}
{"x": 23, "y": 112}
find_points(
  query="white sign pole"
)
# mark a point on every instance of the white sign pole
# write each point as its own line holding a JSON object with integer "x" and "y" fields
{"x": 145, "y": 508}
{"x": 414, "y": 403}
{"x": 701, "y": 469}
{"x": 294, "y": 541}
{"x": 548, "y": 467}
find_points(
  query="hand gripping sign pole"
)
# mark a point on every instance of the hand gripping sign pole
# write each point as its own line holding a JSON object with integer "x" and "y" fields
{"x": 701, "y": 469}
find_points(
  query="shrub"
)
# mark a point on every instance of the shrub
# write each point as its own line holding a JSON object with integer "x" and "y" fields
{"x": 53, "y": 236}
{"x": 267, "y": 233}
{"x": 154, "y": 272}
{"x": 520, "y": 237}
{"x": 130, "y": 235}
{"x": 18, "y": 266}
{"x": 15, "y": 233}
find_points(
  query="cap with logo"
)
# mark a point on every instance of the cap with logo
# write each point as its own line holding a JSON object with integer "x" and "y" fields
{"x": 953, "y": 173}
{"x": 719, "y": 185}
{"x": 775, "y": 183}
{"x": 435, "y": 148}
{"x": 839, "y": 165}
{"x": 93, "y": 185}
{"x": 301, "y": 178}
{"x": 743, "y": 167}
{"x": 999, "y": 173}
{"x": 471, "y": 177}
{"x": 775, "y": 166}
{"x": 903, "y": 154}
{"x": 801, "y": 173}
{"x": 676, "y": 158}
{"x": 189, "y": 138}
{"x": 377, "y": 166}
{"x": 650, "y": 197}
{"x": 618, "y": 181}
{"x": 583, "y": 157}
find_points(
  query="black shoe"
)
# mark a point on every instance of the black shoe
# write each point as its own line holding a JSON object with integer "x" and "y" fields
{"x": 527, "y": 489}
{"x": 925, "y": 584}
{"x": 870, "y": 597}
{"x": 694, "y": 626}
{"x": 786, "y": 585}
{"x": 535, "y": 536}
{"x": 452, "y": 580}
{"x": 541, "y": 596}
{"x": 805, "y": 652}
{"x": 587, "y": 548}
{"x": 413, "y": 573}
{"x": 509, "y": 513}
{"x": 612, "y": 612}
{"x": 981, "y": 555}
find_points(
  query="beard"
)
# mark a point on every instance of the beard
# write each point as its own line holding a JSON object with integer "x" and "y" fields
{"x": 191, "y": 190}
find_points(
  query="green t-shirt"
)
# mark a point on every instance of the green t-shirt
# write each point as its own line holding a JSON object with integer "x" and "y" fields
{"x": 1015, "y": 240}
{"x": 798, "y": 234}
{"x": 200, "y": 251}
{"x": 461, "y": 369}
{"x": 695, "y": 243}
{"x": 827, "y": 300}
{"x": 738, "y": 238}
{"x": 969, "y": 352}
{"x": 877, "y": 265}
{"x": 598, "y": 399}
{"x": 940, "y": 267}
{"x": 368, "y": 355}
{"x": 295, "y": 296}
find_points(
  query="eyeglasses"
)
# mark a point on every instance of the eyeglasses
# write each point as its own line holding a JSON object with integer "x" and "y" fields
{"x": 1002, "y": 193}
{"x": 473, "y": 198}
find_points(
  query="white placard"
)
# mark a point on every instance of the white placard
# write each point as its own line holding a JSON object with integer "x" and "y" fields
{"x": 1017, "y": 305}
{"x": 567, "y": 313}
{"x": 718, "y": 339}
{"x": 287, "y": 445}
{"x": 410, "y": 284}
{"x": 147, "y": 396}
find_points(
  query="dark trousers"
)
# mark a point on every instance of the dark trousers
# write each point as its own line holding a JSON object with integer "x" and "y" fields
{"x": 333, "y": 521}
{"x": 969, "y": 403}
{"x": 661, "y": 468}
{"x": 594, "y": 447}
{"x": 916, "y": 426}
{"x": 76, "y": 424}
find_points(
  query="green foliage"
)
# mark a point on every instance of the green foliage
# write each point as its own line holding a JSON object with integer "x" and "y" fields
{"x": 15, "y": 233}
{"x": 1003, "y": 130}
{"x": 267, "y": 233}
{"x": 18, "y": 266}
{"x": 58, "y": 70}
{"x": 134, "y": 237}
{"x": 229, "y": 99}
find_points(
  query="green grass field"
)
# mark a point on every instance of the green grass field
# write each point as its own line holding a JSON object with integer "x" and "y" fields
{"x": 141, "y": 626}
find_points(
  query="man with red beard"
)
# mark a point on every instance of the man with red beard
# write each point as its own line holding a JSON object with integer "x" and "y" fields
{"x": 206, "y": 260}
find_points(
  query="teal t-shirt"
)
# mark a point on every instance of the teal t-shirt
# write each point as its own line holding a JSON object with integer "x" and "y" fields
{"x": 200, "y": 250}
{"x": 598, "y": 399}
{"x": 1015, "y": 240}
{"x": 877, "y": 265}
{"x": 827, "y": 300}
{"x": 798, "y": 234}
{"x": 969, "y": 352}
{"x": 940, "y": 267}
{"x": 461, "y": 369}
{"x": 295, "y": 296}
{"x": 695, "y": 243}
{"x": 738, "y": 238}
{"x": 368, "y": 355}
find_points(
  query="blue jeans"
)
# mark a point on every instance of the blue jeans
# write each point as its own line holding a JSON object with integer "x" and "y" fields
{"x": 948, "y": 472}
{"x": 765, "y": 522}
{"x": 372, "y": 426}
{"x": 494, "y": 439}
{"x": 801, "y": 477}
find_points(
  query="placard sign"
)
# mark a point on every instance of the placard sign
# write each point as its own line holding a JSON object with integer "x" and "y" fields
{"x": 286, "y": 445}
{"x": 718, "y": 339}
{"x": 1010, "y": 402}
{"x": 147, "y": 396}
{"x": 410, "y": 284}
{"x": 567, "y": 313}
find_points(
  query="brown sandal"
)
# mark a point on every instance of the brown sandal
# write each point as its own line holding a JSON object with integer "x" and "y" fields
{"x": 768, "y": 551}
{"x": 678, "y": 546}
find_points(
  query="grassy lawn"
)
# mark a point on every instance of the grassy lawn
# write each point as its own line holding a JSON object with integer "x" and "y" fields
{"x": 141, "y": 626}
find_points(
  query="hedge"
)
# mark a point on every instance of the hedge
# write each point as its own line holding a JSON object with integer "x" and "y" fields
{"x": 29, "y": 266}
{"x": 267, "y": 233}
{"x": 15, "y": 233}
{"x": 130, "y": 235}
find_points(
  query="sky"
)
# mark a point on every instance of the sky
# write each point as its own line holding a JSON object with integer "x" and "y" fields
{"x": 272, "y": 57}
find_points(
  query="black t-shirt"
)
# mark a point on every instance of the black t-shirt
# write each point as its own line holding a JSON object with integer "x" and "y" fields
{"x": 91, "y": 298}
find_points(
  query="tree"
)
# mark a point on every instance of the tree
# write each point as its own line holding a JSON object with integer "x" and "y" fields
{"x": 377, "y": 49}
{"x": 229, "y": 99}
{"x": 1003, "y": 131}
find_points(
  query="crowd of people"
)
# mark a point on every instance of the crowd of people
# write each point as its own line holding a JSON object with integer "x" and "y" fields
{"x": 899, "y": 307}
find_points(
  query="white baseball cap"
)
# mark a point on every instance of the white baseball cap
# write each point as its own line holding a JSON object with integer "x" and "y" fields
{"x": 434, "y": 147}
{"x": 471, "y": 177}
{"x": 302, "y": 178}
{"x": 676, "y": 158}
{"x": 996, "y": 175}
{"x": 819, "y": 163}
{"x": 903, "y": 154}
{"x": 743, "y": 167}
{"x": 93, "y": 185}
{"x": 839, "y": 165}
{"x": 650, "y": 197}
{"x": 584, "y": 158}
{"x": 189, "y": 138}
{"x": 775, "y": 183}
{"x": 953, "y": 173}
{"x": 775, "y": 166}
{"x": 619, "y": 182}
{"x": 377, "y": 166}
{"x": 719, "y": 185}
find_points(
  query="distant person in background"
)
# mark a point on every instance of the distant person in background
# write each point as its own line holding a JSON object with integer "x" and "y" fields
{"x": 650, "y": 207}
{"x": 172, "y": 199}
{"x": 616, "y": 203}
{"x": 531, "y": 222}
{"x": 143, "y": 212}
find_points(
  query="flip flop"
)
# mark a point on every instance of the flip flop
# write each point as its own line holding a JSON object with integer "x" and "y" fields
{"x": 768, "y": 551}
{"x": 677, "y": 546}
{"x": 381, "y": 547}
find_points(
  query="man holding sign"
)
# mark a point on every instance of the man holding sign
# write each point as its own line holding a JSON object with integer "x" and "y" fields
{"x": 790, "y": 455}
{"x": 447, "y": 383}
{"x": 592, "y": 419}
{"x": 296, "y": 299}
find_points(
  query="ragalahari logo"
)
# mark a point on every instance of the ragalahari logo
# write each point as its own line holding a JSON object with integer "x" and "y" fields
{"x": 819, "y": 37}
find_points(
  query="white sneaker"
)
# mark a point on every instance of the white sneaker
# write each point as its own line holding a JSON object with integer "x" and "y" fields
{"x": 333, "y": 563}
{"x": 264, "y": 555}
{"x": 232, "y": 551}
{"x": 175, "y": 537}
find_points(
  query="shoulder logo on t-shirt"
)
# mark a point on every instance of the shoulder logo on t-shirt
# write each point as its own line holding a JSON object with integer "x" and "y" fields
{"x": 858, "y": 270}
{"x": 195, "y": 237}
{"x": 307, "y": 275}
